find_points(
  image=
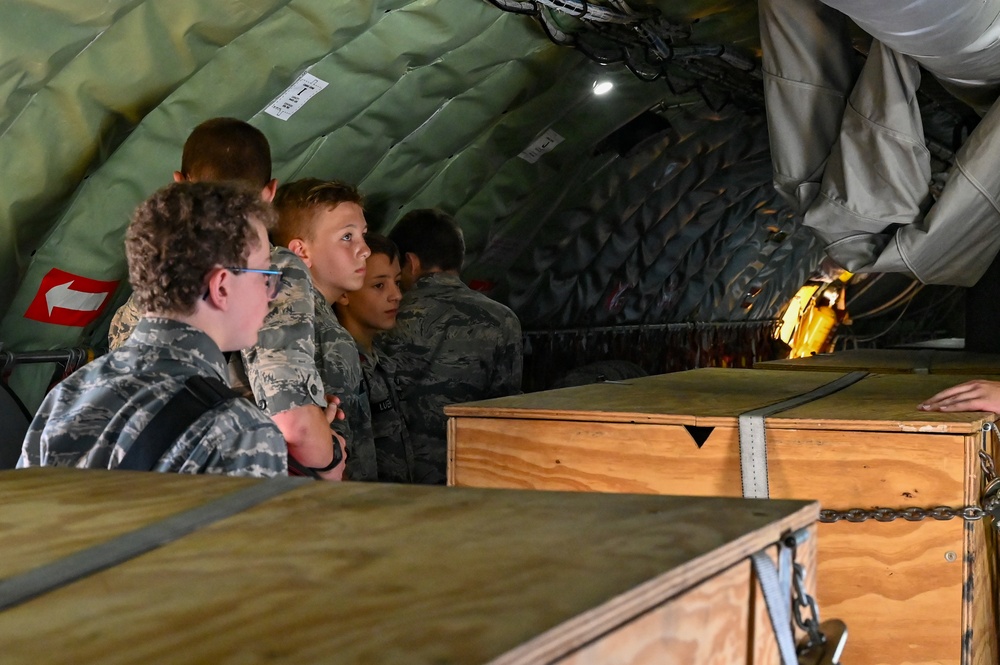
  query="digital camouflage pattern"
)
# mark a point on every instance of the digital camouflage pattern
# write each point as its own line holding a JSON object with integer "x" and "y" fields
{"x": 123, "y": 323}
{"x": 450, "y": 345}
{"x": 282, "y": 367}
{"x": 302, "y": 353}
{"x": 127, "y": 317}
{"x": 393, "y": 451}
{"x": 90, "y": 419}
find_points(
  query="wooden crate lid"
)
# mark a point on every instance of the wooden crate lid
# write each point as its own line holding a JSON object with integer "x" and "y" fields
{"x": 894, "y": 361}
{"x": 376, "y": 573}
{"x": 715, "y": 397}
{"x": 883, "y": 403}
{"x": 49, "y": 513}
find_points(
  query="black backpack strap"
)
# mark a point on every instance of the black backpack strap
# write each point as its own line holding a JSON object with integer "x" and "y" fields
{"x": 200, "y": 395}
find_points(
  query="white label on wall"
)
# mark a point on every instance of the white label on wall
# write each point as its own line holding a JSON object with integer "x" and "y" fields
{"x": 292, "y": 99}
{"x": 541, "y": 145}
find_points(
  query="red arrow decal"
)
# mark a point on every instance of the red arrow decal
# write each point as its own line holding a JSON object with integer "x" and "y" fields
{"x": 66, "y": 299}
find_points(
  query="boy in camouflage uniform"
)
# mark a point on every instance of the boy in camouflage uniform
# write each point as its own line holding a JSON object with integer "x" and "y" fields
{"x": 321, "y": 227}
{"x": 364, "y": 313}
{"x": 233, "y": 150}
{"x": 199, "y": 264}
{"x": 450, "y": 344}
{"x": 219, "y": 149}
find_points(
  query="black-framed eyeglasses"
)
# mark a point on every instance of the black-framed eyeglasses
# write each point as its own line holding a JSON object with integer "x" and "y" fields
{"x": 272, "y": 278}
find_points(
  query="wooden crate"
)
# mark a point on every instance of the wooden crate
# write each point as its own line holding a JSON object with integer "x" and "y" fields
{"x": 366, "y": 573}
{"x": 894, "y": 361}
{"x": 898, "y": 585}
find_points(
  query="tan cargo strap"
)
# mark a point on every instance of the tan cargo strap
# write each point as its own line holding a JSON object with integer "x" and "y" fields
{"x": 21, "y": 588}
{"x": 753, "y": 444}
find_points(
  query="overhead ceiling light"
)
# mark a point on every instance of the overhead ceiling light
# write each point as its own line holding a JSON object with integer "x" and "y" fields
{"x": 603, "y": 87}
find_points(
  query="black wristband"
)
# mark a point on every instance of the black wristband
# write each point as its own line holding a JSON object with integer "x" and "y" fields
{"x": 337, "y": 458}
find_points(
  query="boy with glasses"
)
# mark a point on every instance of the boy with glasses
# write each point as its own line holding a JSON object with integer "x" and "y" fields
{"x": 227, "y": 149}
{"x": 199, "y": 264}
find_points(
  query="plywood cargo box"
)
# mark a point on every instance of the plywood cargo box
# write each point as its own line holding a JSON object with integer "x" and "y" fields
{"x": 899, "y": 585}
{"x": 894, "y": 361}
{"x": 286, "y": 571}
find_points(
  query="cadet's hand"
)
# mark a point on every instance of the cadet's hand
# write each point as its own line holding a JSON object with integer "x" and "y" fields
{"x": 333, "y": 410}
{"x": 970, "y": 396}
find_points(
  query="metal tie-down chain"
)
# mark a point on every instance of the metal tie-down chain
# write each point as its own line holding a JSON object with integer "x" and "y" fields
{"x": 990, "y": 500}
{"x": 823, "y": 642}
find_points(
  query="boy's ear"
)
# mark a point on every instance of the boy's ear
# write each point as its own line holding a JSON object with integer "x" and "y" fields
{"x": 343, "y": 300}
{"x": 301, "y": 250}
{"x": 267, "y": 194}
{"x": 218, "y": 289}
{"x": 412, "y": 264}
{"x": 179, "y": 177}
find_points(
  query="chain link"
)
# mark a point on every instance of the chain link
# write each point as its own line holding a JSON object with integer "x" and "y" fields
{"x": 985, "y": 459}
{"x": 968, "y": 513}
{"x": 990, "y": 500}
{"x": 801, "y": 599}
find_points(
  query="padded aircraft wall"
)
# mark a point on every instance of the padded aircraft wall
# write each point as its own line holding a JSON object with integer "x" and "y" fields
{"x": 622, "y": 220}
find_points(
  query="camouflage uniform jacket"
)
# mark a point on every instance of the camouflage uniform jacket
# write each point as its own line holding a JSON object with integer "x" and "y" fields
{"x": 127, "y": 317}
{"x": 393, "y": 450}
{"x": 302, "y": 353}
{"x": 92, "y": 418}
{"x": 450, "y": 345}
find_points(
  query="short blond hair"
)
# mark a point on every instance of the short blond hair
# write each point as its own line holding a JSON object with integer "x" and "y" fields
{"x": 298, "y": 202}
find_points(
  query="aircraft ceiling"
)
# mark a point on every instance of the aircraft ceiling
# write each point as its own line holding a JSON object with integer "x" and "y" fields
{"x": 650, "y": 204}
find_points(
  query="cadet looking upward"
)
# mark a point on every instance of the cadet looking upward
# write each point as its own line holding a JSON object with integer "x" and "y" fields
{"x": 322, "y": 225}
{"x": 199, "y": 263}
{"x": 450, "y": 344}
{"x": 364, "y": 313}
{"x": 219, "y": 149}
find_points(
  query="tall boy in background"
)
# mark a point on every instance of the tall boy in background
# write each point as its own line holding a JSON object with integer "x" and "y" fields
{"x": 365, "y": 313}
{"x": 219, "y": 149}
